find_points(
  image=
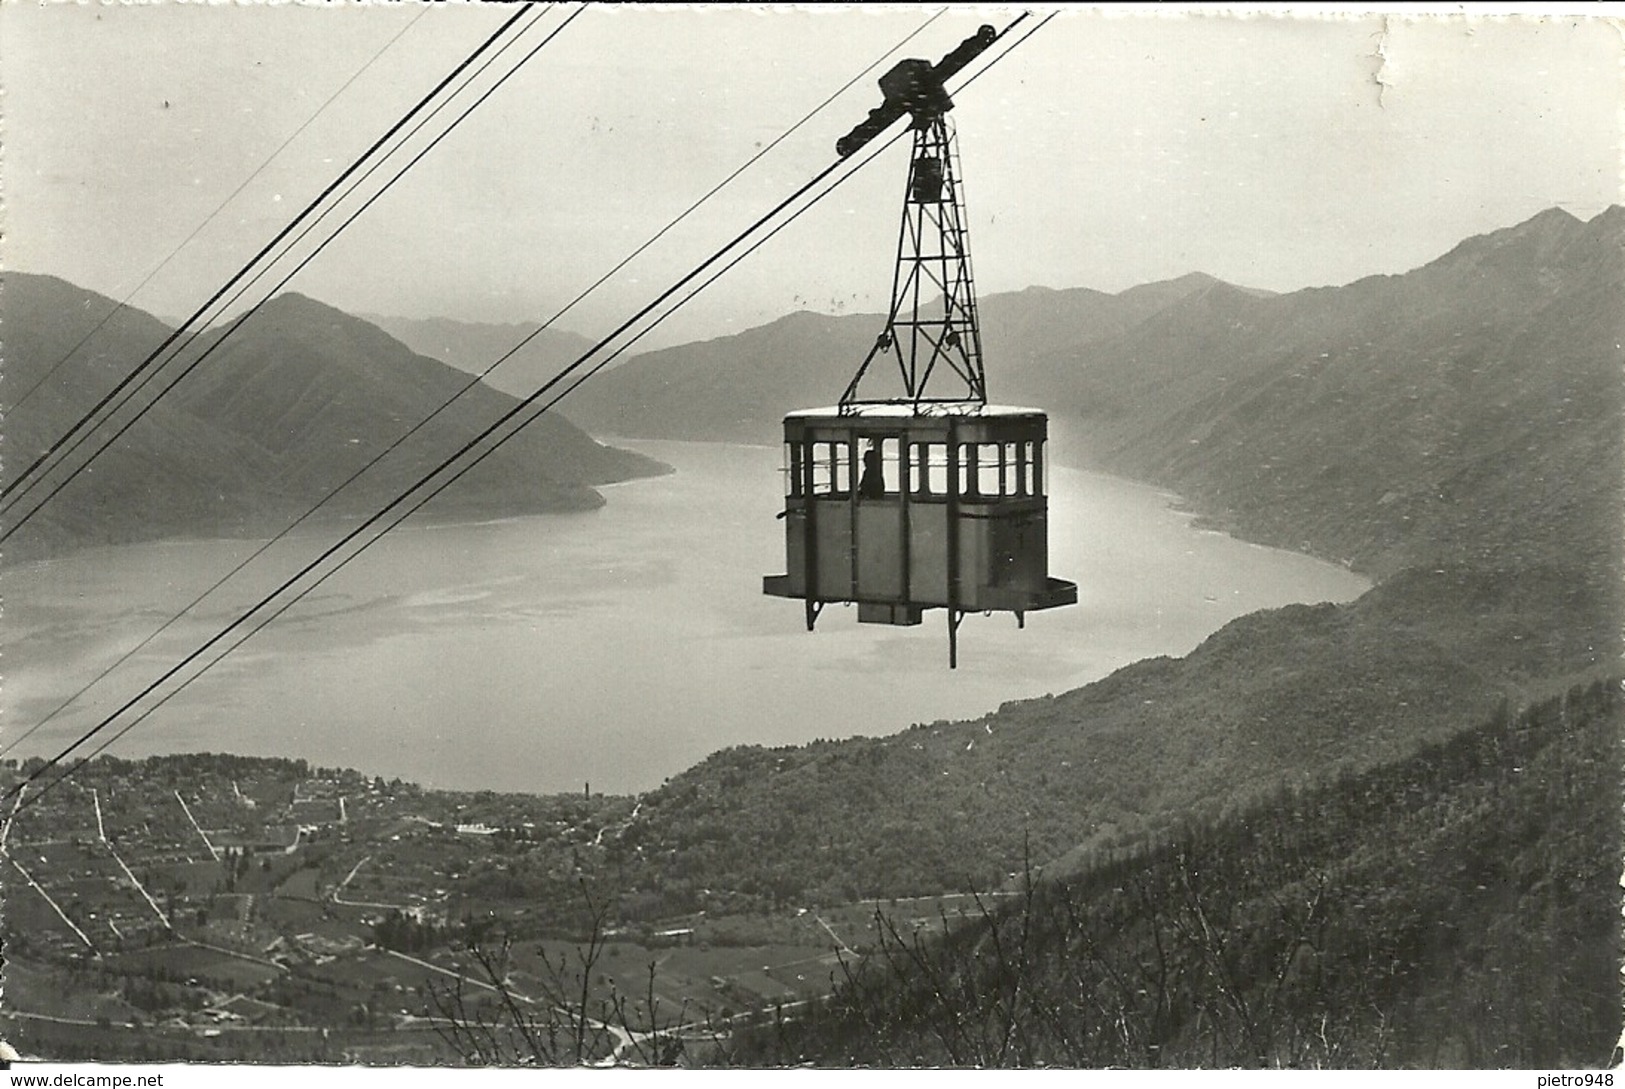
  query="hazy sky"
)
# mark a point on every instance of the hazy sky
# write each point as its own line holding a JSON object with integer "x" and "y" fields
{"x": 1273, "y": 151}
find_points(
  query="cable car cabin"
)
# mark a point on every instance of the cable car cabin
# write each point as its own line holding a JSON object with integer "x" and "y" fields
{"x": 912, "y": 500}
{"x": 902, "y": 510}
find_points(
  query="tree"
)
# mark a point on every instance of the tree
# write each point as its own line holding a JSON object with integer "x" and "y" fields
{"x": 562, "y": 1021}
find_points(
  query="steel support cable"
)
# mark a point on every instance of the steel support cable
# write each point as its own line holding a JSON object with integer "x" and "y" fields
{"x": 707, "y": 196}
{"x": 238, "y": 322}
{"x": 707, "y": 282}
{"x": 415, "y": 505}
{"x": 9, "y": 488}
{"x": 472, "y": 382}
{"x": 124, "y": 303}
{"x": 288, "y": 248}
{"x": 152, "y": 373}
{"x": 422, "y": 481}
{"x": 406, "y": 497}
{"x": 441, "y": 487}
{"x": 678, "y": 305}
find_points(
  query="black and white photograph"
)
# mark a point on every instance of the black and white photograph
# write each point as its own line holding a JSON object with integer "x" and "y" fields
{"x": 745, "y": 536}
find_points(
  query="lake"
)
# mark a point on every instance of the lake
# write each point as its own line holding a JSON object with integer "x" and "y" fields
{"x": 615, "y": 647}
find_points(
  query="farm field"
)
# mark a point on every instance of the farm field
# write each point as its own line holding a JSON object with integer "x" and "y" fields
{"x": 184, "y": 961}
{"x": 34, "y": 989}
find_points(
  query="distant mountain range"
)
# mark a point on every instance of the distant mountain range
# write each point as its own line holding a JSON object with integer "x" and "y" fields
{"x": 285, "y": 410}
{"x": 738, "y": 387}
{"x": 1467, "y": 409}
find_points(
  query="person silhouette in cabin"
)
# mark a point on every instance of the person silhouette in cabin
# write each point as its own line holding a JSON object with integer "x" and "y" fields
{"x": 873, "y": 483}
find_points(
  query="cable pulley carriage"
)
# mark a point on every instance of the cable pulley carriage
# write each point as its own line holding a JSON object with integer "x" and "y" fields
{"x": 920, "y": 500}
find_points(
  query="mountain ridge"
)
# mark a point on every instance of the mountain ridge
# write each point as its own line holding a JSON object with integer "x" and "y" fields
{"x": 1234, "y": 398}
{"x": 738, "y": 386}
{"x": 1468, "y": 455}
{"x": 275, "y": 418}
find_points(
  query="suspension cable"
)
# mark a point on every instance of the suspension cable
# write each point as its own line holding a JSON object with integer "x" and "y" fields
{"x": 470, "y": 384}
{"x": 238, "y": 322}
{"x": 124, "y": 303}
{"x": 413, "y": 505}
{"x": 406, "y": 496}
{"x": 287, "y": 247}
{"x": 308, "y": 209}
{"x": 715, "y": 276}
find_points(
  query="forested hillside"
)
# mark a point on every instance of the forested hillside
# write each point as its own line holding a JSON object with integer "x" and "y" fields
{"x": 1458, "y": 430}
{"x": 1283, "y": 696}
{"x": 1454, "y": 908}
{"x": 1469, "y": 410}
{"x": 1316, "y": 839}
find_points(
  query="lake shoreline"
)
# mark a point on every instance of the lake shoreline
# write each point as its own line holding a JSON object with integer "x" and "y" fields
{"x": 626, "y": 643}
